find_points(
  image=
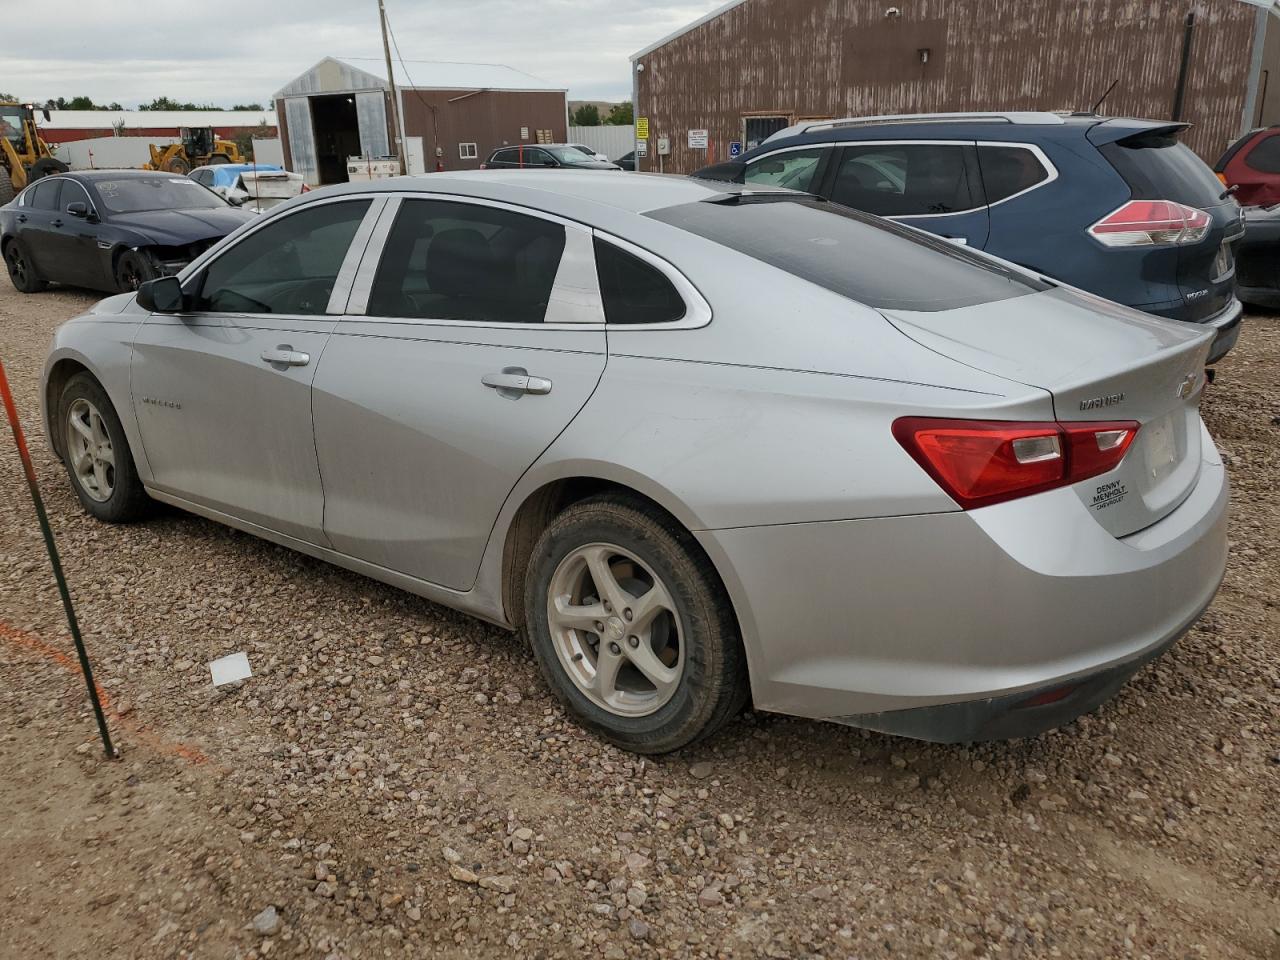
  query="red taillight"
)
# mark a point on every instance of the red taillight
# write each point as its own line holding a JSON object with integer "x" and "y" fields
{"x": 1147, "y": 222}
{"x": 981, "y": 462}
{"x": 484, "y": 166}
{"x": 305, "y": 189}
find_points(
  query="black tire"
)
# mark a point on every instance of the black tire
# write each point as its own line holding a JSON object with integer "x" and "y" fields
{"x": 46, "y": 167}
{"x": 218, "y": 158}
{"x": 133, "y": 269}
{"x": 22, "y": 272}
{"x": 128, "y": 500}
{"x": 178, "y": 165}
{"x": 712, "y": 687}
{"x": 7, "y": 192}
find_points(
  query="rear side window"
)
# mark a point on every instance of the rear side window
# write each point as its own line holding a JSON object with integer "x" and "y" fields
{"x": 1009, "y": 170}
{"x": 1265, "y": 157}
{"x": 44, "y": 196}
{"x": 1161, "y": 168}
{"x": 460, "y": 261}
{"x": 904, "y": 180}
{"x": 883, "y": 265}
{"x": 634, "y": 291}
{"x": 289, "y": 266}
{"x": 793, "y": 169}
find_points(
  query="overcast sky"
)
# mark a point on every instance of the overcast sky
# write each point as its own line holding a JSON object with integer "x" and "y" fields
{"x": 237, "y": 51}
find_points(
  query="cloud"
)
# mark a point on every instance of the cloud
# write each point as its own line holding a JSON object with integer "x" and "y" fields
{"x": 244, "y": 50}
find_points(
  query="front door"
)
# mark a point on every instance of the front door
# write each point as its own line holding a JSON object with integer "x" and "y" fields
{"x": 76, "y": 242}
{"x": 480, "y": 341}
{"x": 222, "y": 393}
{"x": 935, "y": 186}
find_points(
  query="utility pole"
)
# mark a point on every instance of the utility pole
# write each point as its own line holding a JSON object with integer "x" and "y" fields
{"x": 395, "y": 97}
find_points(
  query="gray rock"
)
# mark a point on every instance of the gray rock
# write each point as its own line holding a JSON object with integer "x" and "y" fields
{"x": 266, "y": 923}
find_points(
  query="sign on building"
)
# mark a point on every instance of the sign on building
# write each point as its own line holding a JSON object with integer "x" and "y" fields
{"x": 698, "y": 139}
{"x": 735, "y": 148}
{"x": 642, "y": 128}
{"x": 524, "y": 133}
{"x": 642, "y": 148}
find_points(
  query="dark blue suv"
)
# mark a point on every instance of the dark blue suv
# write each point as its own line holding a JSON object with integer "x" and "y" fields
{"x": 1117, "y": 207}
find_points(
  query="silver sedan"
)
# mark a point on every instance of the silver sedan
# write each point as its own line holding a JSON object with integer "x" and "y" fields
{"x": 701, "y": 443}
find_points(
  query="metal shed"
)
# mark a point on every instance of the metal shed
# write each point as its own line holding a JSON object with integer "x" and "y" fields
{"x": 452, "y": 114}
{"x": 752, "y": 67}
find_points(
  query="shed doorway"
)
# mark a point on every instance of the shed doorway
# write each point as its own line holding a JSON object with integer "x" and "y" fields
{"x": 756, "y": 129}
{"x": 337, "y": 131}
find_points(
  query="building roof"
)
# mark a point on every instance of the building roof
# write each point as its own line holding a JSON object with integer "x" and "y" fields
{"x": 333, "y": 75}
{"x": 718, "y": 11}
{"x": 105, "y": 119}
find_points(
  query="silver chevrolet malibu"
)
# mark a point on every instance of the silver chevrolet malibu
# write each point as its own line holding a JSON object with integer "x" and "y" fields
{"x": 701, "y": 443}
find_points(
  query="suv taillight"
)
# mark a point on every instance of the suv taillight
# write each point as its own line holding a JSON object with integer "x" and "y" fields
{"x": 981, "y": 462}
{"x": 1148, "y": 222}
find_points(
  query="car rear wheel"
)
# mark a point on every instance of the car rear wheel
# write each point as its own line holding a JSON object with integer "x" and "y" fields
{"x": 631, "y": 626}
{"x": 96, "y": 453}
{"x": 133, "y": 269}
{"x": 22, "y": 272}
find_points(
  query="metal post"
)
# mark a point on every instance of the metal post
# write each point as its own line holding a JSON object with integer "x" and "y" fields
{"x": 395, "y": 97}
{"x": 1180, "y": 91}
{"x": 29, "y": 470}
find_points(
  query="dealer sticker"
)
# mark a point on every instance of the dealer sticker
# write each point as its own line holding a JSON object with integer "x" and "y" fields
{"x": 1108, "y": 495}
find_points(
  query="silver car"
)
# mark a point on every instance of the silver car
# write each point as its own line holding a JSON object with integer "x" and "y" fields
{"x": 701, "y": 443}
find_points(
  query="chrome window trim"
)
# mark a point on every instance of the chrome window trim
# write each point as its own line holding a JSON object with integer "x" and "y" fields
{"x": 697, "y": 311}
{"x": 1039, "y": 154}
{"x": 346, "y": 272}
{"x": 570, "y": 293}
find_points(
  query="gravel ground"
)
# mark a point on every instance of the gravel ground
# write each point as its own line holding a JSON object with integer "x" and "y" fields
{"x": 394, "y": 781}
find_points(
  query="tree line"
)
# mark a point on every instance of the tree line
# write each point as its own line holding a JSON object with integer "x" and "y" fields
{"x": 159, "y": 103}
{"x": 588, "y": 115}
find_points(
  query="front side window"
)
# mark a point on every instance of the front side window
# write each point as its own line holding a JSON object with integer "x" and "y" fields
{"x": 903, "y": 180}
{"x": 287, "y": 267}
{"x": 460, "y": 261}
{"x": 794, "y": 169}
{"x": 142, "y": 194}
{"x": 72, "y": 192}
{"x": 1008, "y": 170}
{"x": 634, "y": 291}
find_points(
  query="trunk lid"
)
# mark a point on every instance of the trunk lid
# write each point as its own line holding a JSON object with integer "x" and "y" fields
{"x": 1100, "y": 362}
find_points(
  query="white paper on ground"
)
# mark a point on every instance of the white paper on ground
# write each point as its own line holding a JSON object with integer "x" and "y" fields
{"x": 230, "y": 669}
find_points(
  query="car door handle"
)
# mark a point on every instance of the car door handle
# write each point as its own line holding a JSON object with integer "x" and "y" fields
{"x": 22, "y": 218}
{"x": 513, "y": 381}
{"x": 286, "y": 356}
{"x": 57, "y": 223}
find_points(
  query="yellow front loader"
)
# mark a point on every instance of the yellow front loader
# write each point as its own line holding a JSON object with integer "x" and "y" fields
{"x": 198, "y": 147}
{"x": 23, "y": 155}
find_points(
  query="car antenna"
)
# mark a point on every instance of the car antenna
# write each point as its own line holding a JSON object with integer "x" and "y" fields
{"x": 1105, "y": 95}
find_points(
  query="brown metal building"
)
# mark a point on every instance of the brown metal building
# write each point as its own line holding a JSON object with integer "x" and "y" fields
{"x": 752, "y": 67}
{"x": 452, "y": 115}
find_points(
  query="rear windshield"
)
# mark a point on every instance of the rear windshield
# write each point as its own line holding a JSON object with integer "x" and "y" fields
{"x": 873, "y": 261}
{"x": 1161, "y": 168}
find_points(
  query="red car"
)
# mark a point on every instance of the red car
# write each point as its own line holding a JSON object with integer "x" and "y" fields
{"x": 1252, "y": 165}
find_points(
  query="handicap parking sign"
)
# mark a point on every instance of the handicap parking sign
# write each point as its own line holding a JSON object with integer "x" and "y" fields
{"x": 735, "y": 148}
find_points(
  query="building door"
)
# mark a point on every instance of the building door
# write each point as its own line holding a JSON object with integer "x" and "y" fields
{"x": 756, "y": 129}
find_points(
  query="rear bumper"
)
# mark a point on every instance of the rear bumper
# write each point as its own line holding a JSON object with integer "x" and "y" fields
{"x": 937, "y": 626}
{"x": 1227, "y": 327}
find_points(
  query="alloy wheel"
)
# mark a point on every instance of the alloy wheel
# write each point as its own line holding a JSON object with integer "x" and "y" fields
{"x": 17, "y": 264}
{"x": 615, "y": 629}
{"x": 92, "y": 459}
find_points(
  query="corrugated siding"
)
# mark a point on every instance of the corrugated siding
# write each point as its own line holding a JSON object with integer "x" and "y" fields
{"x": 371, "y": 117}
{"x": 302, "y": 142}
{"x": 831, "y": 58}
{"x": 613, "y": 140}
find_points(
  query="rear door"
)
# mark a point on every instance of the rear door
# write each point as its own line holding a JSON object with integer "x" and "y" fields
{"x": 933, "y": 185}
{"x": 470, "y": 343}
{"x": 1253, "y": 166}
{"x": 40, "y": 227}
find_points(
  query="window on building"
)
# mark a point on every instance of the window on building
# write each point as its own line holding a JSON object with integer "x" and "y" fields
{"x": 467, "y": 151}
{"x": 634, "y": 291}
{"x": 901, "y": 180}
{"x": 794, "y": 169}
{"x": 289, "y": 266}
{"x": 458, "y": 261}
{"x": 1009, "y": 170}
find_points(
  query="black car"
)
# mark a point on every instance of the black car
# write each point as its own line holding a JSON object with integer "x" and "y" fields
{"x": 555, "y": 155}
{"x": 1117, "y": 206}
{"x": 1258, "y": 258}
{"x": 110, "y": 229}
{"x": 627, "y": 161}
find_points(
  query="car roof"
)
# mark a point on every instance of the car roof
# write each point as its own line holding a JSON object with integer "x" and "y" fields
{"x": 94, "y": 175}
{"x": 550, "y": 189}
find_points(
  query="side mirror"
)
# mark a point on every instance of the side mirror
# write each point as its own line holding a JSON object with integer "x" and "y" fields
{"x": 162, "y": 295}
{"x": 78, "y": 209}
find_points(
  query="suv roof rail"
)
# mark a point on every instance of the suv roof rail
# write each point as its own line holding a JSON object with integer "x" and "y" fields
{"x": 997, "y": 116}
